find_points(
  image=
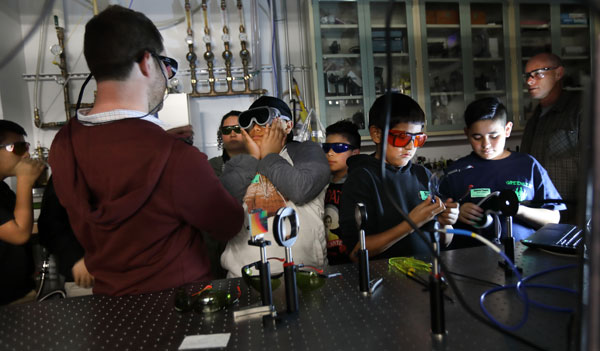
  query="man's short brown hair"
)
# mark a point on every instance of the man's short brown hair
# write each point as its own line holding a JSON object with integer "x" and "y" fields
{"x": 115, "y": 39}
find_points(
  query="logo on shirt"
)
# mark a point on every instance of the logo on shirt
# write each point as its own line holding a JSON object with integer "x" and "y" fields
{"x": 521, "y": 193}
{"x": 520, "y": 188}
{"x": 519, "y": 183}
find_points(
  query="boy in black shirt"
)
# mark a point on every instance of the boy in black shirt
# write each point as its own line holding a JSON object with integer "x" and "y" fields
{"x": 388, "y": 234}
{"x": 343, "y": 141}
{"x": 16, "y": 214}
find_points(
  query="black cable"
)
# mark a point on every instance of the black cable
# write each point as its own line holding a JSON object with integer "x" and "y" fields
{"x": 87, "y": 80}
{"x": 487, "y": 282}
{"x": 388, "y": 110}
{"x": 47, "y": 7}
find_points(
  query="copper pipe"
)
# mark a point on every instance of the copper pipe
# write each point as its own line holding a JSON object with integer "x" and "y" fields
{"x": 208, "y": 54}
{"x": 245, "y": 55}
{"x": 191, "y": 55}
{"x": 60, "y": 33}
{"x": 227, "y": 55}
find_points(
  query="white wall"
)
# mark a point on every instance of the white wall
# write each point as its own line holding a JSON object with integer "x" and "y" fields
{"x": 17, "y": 18}
{"x": 17, "y": 97}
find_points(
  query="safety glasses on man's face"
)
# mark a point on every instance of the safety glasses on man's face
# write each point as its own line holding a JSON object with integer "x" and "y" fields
{"x": 18, "y": 148}
{"x": 400, "y": 138}
{"x": 538, "y": 74}
{"x": 260, "y": 115}
{"x": 338, "y": 148}
{"x": 171, "y": 64}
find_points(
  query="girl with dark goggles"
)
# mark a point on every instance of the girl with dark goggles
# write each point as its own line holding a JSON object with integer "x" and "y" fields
{"x": 260, "y": 115}
{"x": 18, "y": 148}
{"x": 400, "y": 138}
{"x": 226, "y": 130}
{"x": 338, "y": 148}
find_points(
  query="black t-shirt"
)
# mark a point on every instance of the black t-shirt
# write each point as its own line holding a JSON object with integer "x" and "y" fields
{"x": 409, "y": 187}
{"x": 16, "y": 261}
{"x": 336, "y": 250}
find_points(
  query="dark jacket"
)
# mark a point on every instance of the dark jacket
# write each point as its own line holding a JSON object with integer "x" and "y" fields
{"x": 137, "y": 199}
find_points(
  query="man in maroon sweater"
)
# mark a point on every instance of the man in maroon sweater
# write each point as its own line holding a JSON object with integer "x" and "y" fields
{"x": 137, "y": 197}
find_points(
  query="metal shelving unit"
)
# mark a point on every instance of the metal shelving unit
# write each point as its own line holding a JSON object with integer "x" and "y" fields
{"x": 446, "y": 53}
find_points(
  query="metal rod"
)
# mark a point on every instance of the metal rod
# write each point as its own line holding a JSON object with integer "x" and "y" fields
{"x": 302, "y": 43}
{"x": 191, "y": 55}
{"x": 509, "y": 240}
{"x": 287, "y": 49}
{"x": 275, "y": 53}
{"x": 265, "y": 278}
{"x": 245, "y": 54}
{"x": 60, "y": 33}
{"x": 436, "y": 296}
{"x": 291, "y": 289}
{"x": 227, "y": 55}
{"x": 208, "y": 54}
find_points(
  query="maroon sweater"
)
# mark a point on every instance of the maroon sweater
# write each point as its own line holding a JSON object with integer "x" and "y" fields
{"x": 137, "y": 199}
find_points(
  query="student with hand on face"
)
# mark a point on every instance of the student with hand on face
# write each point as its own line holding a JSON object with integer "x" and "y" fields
{"x": 495, "y": 169}
{"x": 276, "y": 172}
{"x": 16, "y": 214}
{"x": 387, "y": 233}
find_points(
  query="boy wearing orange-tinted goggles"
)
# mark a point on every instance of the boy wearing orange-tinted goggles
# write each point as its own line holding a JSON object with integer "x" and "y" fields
{"x": 405, "y": 185}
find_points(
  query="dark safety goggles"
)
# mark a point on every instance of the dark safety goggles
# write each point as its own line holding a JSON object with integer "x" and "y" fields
{"x": 170, "y": 64}
{"x": 400, "y": 138}
{"x": 305, "y": 280}
{"x": 338, "y": 148}
{"x": 226, "y": 130}
{"x": 18, "y": 148}
{"x": 206, "y": 300}
{"x": 262, "y": 116}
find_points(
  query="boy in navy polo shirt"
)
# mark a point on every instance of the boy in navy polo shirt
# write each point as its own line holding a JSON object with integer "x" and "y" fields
{"x": 497, "y": 169}
{"x": 388, "y": 234}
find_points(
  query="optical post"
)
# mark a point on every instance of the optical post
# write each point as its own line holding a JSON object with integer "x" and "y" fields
{"x": 509, "y": 206}
{"x": 264, "y": 269}
{"x": 366, "y": 286}
{"x": 505, "y": 203}
{"x": 287, "y": 239}
{"x": 266, "y": 294}
{"x": 436, "y": 295}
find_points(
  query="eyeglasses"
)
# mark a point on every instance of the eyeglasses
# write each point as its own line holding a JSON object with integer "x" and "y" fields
{"x": 18, "y": 148}
{"x": 226, "y": 130}
{"x": 400, "y": 138}
{"x": 538, "y": 73}
{"x": 262, "y": 116}
{"x": 170, "y": 64}
{"x": 338, "y": 148}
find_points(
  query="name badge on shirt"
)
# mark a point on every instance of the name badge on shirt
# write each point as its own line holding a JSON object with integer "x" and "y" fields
{"x": 424, "y": 194}
{"x": 480, "y": 192}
